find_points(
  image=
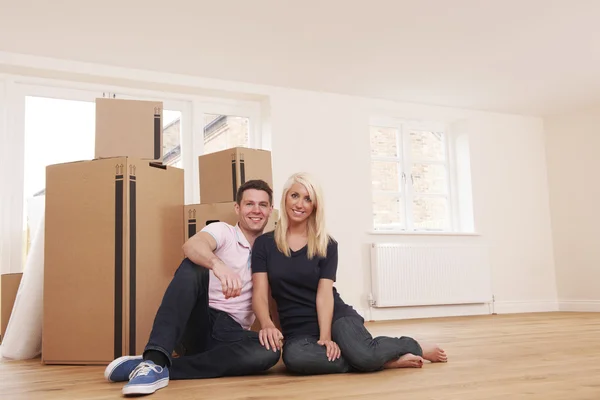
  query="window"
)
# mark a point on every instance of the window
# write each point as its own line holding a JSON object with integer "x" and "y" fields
{"x": 410, "y": 176}
{"x": 225, "y": 131}
{"x": 53, "y": 122}
{"x": 172, "y": 138}
{"x": 219, "y": 125}
{"x": 56, "y": 131}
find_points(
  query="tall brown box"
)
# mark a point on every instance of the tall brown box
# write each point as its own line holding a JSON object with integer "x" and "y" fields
{"x": 223, "y": 172}
{"x": 197, "y": 216}
{"x": 113, "y": 240}
{"x": 129, "y": 128}
{"x": 9, "y": 286}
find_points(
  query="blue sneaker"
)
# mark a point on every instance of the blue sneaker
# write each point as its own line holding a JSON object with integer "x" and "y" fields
{"x": 119, "y": 369}
{"x": 146, "y": 378}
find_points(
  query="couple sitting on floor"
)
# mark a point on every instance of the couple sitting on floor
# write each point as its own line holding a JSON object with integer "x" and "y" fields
{"x": 205, "y": 317}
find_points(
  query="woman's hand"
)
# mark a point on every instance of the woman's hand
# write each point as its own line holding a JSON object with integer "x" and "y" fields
{"x": 270, "y": 337}
{"x": 333, "y": 350}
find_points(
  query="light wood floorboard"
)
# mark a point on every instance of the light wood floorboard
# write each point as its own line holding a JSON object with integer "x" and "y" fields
{"x": 522, "y": 356}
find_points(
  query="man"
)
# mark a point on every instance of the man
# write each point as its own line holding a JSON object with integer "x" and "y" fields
{"x": 206, "y": 311}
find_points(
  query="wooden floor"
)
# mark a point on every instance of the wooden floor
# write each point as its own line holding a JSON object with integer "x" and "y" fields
{"x": 528, "y": 356}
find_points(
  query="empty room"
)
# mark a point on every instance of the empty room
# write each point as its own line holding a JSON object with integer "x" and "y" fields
{"x": 285, "y": 200}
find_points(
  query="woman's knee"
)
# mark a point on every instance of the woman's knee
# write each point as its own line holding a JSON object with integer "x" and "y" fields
{"x": 294, "y": 357}
{"x": 364, "y": 360}
{"x": 306, "y": 358}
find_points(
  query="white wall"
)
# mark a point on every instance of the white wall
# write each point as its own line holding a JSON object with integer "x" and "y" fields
{"x": 328, "y": 135}
{"x": 573, "y": 143}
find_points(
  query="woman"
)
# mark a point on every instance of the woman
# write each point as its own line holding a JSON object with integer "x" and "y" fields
{"x": 298, "y": 263}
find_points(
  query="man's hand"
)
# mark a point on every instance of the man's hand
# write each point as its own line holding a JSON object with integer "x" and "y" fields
{"x": 270, "y": 338}
{"x": 333, "y": 350}
{"x": 230, "y": 281}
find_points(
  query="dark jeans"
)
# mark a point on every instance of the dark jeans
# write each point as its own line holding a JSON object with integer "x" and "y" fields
{"x": 360, "y": 352}
{"x": 209, "y": 342}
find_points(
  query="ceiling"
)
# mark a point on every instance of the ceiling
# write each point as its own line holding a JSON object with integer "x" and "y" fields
{"x": 532, "y": 57}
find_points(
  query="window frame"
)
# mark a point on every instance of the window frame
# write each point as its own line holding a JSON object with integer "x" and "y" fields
{"x": 407, "y": 194}
{"x": 15, "y": 88}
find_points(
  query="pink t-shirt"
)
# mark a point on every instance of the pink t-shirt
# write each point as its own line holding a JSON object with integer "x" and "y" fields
{"x": 235, "y": 251}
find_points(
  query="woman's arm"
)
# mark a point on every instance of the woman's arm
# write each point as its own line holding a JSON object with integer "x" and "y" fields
{"x": 325, "y": 316}
{"x": 273, "y": 311}
{"x": 269, "y": 336}
{"x": 260, "y": 299}
{"x": 325, "y": 308}
{"x": 325, "y": 304}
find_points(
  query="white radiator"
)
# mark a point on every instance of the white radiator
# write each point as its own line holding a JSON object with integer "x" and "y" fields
{"x": 419, "y": 275}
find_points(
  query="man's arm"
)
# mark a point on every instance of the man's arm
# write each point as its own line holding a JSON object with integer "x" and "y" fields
{"x": 200, "y": 250}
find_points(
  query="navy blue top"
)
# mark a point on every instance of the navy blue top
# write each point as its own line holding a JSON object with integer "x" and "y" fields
{"x": 294, "y": 281}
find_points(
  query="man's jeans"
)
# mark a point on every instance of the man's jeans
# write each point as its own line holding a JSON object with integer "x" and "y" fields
{"x": 209, "y": 342}
{"x": 360, "y": 352}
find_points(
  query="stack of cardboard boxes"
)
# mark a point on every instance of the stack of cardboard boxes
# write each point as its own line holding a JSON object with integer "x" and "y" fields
{"x": 114, "y": 232}
{"x": 113, "y": 238}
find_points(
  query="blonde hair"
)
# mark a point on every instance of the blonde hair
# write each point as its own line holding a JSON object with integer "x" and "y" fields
{"x": 318, "y": 239}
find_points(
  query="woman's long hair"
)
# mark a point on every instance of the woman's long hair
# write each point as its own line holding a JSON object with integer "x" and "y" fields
{"x": 318, "y": 239}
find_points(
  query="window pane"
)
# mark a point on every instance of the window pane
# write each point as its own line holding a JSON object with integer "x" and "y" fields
{"x": 56, "y": 131}
{"x": 387, "y": 211}
{"x": 430, "y": 213}
{"x": 384, "y": 142}
{"x": 429, "y": 179}
{"x": 427, "y": 146}
{"x": 172, "y": 138}
{"x": 385, "y": 176}
{"x": 224, "y": 131}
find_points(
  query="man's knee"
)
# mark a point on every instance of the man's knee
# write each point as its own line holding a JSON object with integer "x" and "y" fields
{"x": 267, "y": 359}
{"x": 259, "y": 359}
{"x": 189, "y": 271}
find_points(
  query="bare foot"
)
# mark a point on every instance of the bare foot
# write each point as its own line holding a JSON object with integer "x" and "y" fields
{"x": 406, "y": 361}
{"x": 433, "y": 353}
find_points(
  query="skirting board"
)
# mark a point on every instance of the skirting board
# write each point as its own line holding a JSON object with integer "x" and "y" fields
{"x": 396, "y": 313}
{"x": 505, "y": 307}
{"x": 580, "y": 305}
{"x": 515, "y": 307}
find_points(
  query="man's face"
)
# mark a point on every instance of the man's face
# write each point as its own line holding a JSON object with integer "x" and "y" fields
{"x": 254, "y": 210}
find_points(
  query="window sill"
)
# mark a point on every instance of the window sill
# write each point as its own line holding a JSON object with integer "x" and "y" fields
{"x": 419, "y": 233}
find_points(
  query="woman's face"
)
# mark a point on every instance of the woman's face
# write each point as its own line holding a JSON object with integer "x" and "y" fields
{"x": 298, "y": 204}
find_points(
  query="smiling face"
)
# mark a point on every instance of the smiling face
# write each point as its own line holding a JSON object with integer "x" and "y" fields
{"x": 254, "y": 210}
{"x": 298, "y": 204}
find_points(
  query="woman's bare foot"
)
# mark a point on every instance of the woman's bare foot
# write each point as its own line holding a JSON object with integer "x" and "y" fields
{"x": 433, "y": 353}
{"x": 406, "y": 361}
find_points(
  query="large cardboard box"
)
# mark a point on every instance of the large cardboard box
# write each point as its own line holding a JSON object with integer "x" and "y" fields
{"x": 223, "y": 172}
{"x": 129, "y": 128}
{"x": 113, "y": 240}
{"x": 9, "y": 286}
{"x": 197, "y": 216}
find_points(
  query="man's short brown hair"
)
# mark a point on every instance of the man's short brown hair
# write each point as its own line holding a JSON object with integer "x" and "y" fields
{"x": 257, "y": 184}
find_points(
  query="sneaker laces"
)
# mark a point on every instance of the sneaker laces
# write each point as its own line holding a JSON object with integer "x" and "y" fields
{"x": 144, "y": 368}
